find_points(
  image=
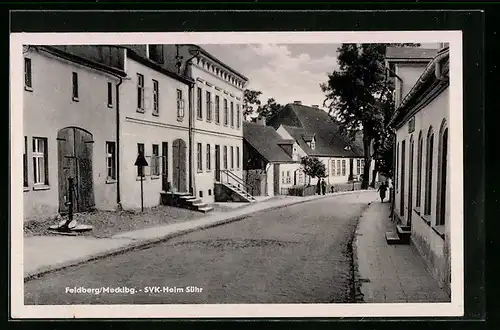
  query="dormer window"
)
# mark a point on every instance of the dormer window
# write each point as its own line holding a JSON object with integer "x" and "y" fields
{"x": 313, "y": 144}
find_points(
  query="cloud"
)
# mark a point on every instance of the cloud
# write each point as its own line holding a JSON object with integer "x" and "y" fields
{"x": 285, "y": 72}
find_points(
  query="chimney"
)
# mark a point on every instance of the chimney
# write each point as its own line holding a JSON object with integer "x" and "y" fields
{"x": 297, "y": 102}
{"x": 315, "y": 106}
{"x": 260, "y": 121}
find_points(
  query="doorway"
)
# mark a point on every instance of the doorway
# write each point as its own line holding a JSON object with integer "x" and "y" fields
{"x": 217, "y": 163}
{"x": 179, "y": 165}
{"x": 74, "y": 149}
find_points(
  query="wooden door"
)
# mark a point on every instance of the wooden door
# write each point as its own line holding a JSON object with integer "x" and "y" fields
{"x": 217, "y": 163}
{"x": 75, "y": 150}
{"x": 165, "y": 185}
{"x": 179, "y": 165}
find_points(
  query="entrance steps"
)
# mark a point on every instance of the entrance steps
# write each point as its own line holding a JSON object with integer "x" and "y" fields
{"x": 400, "y": 236}
{"x": 184, "y": 200}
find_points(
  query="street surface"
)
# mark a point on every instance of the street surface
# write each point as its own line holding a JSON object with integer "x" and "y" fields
{"x": 298, "y": 254}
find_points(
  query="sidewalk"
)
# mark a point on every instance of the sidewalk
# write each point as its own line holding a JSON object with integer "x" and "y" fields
{"x": 43, "y": 254}
{"x": 390, "y": 273}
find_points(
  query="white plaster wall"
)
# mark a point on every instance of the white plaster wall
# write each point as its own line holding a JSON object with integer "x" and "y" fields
{"x": 48, "y": 108}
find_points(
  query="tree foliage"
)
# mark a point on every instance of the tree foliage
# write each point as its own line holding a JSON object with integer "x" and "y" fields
{"x": 269, "y": 109}
{"x": 251, "y": 102}
{"x": 359, "y": 96}
{"x": 313, "y": 167}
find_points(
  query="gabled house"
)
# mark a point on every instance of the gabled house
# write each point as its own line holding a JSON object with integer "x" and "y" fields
{"x": 271, "y": 164}
{"x": 318, "y": 135}
{"x": 422, "y": 171}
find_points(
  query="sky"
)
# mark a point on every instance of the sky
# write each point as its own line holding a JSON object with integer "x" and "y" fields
{"x": 286, "y": 72}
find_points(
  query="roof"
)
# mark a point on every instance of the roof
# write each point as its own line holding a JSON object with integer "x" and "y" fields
{"x": 410, "y": 53}
{"x": 266, "y": 141}
{"x": 54, "y": 50}
{"x": 427, "y": 87}
{"x": 303, "y": 121}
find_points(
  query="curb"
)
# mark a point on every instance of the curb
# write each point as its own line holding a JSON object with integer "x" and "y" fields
{"x": 142, "y": 244}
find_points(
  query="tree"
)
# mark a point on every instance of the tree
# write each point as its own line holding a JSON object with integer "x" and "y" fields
{"x": 313, "y": 167}
{"x": 360, "y": 97}
{"x": 251, "y": 102}
{"x": 269, "y": 109}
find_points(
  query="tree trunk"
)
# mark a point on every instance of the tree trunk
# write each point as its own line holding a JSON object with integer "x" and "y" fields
{"x": 374, "y": 173}
{"x": 367, "y": 156}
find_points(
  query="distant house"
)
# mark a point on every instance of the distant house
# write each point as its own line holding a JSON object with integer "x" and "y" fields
{"x": 271, "y": 164}
{"x": 318, "y": 135}
{"x": 421, "y": 120}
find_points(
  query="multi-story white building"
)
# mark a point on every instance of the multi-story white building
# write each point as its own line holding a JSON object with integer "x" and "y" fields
{"x": 422, "y": 170}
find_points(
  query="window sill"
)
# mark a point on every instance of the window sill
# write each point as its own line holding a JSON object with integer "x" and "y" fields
{"x": 199, "y": 171}
{"x": 140, "y": 110}
{"x": 180, "y": 119}
{"x": 426, "y": 219}
{"x": 209, "y": 170}
{"x": 110, "y": 106}
{"x": 417, "y": 210}
{"x": 110, "y": 181}
{"x": 198, "y": 118}
{"x": 156, "y": 114}
{"x": 75, "y": 99}
{"x": 440, "y": 230}
{"x": 140, "y": 178}
{"x": 41, "y": 187}
{"x": 217, "y": 123}
{"x": 155, "y": 177}
{"x": 209, "y": 120}
{"x": 25, "y": 189}
{"x": 28, "y": 89}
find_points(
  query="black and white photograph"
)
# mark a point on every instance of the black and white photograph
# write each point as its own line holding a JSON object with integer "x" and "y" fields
{"x": 237, "y": 174}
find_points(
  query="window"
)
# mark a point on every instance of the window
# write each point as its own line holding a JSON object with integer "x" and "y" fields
{"x": 156, "y": 97}
{"x": 225, "y": 157}
{"x": 232, "y": 157}
{"x": 238, "y": 116}
{"x": 419, "y": 170}
{"x": 180, "y": 105}
{"x": 226, "y": 119}
{"x": 155, "y": 161}
{"x": 362, "y": 166}
{"x": 396, "y": 182}
{"x": 110, "y": 161}
{"x": 288, "y": 177}
{"x": 28, "y": 84}
{"x": 238, "y": 157}
{"x": 140, "y": 152}
{"x": 338, "y": 168}
{"x": 156, "y": 53}
{"x": 110, "y": 94}
{"x": 283, "y": 179}
{"x": 209, "y": 158}
{"x": 217, "y": 109}
{"x": 198, "y": 104}
{"x": 40, "y": 162}
{"x": 443, "y": 164}
{"x": 358, "y": 166}
{"x": 232, "y": 114}
{"x": 313, "y": 144}
{"x": 209, "y": 106}
{"x": 333, "y": 168}
{"x": 428, "y": 176}
{"x": 343, "y": 167}
{"x": 199, "y": 158}
{"x": 140, "y": 92}
{"x": 75, "y": 86}
{"x": 25, "y": 162}
{"x": 402, "y": 193}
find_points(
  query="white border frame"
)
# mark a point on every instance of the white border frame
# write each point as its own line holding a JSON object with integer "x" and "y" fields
{"x": 455, "y": 308}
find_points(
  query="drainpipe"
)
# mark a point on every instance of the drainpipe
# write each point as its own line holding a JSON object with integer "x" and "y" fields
{"x": 118, "y": 196}
{"x": 191, "y": 138}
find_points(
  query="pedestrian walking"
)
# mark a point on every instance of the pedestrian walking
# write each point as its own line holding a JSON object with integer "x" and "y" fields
{"x": 389, "y": 187}
{"x": 382, "y": 189}
{"x": 323, "y": 186}
{"x": 318, "y": 187}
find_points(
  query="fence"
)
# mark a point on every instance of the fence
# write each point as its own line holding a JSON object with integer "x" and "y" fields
{"x": 311, "y": 190}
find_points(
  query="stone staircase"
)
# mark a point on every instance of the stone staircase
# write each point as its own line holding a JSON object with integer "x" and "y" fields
{"x": 184, "y": 200}
{"x": 400, "y": 236}
{"x": 240, "y": 191}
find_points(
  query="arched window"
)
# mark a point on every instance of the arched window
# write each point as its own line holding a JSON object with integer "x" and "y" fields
{"x": 442, "y": 172}
{"x": 428, "y": 171}
{"x": 419, "y": 169}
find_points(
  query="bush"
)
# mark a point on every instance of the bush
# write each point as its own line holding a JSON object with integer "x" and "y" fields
{"x": 302, "y": 191}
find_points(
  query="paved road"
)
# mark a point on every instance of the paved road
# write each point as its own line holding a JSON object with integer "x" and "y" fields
{"x": 298, "y": 254}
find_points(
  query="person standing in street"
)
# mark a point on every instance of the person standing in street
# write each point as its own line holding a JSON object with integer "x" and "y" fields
{"x": 318, "y": 187}
{"x": 389, "y": 187}
{"x": 382, "y": 190}
{"x": 323, "y": 186}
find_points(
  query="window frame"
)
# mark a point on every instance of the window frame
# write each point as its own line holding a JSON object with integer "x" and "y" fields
{"x": 238, "y": 157}
{"x": 28, "y": 74}
{"x": 217, "y": 109}
{"x": 238, "y": 116}
{"x": 75, "y": 88}
{"x": 344, "y": 167}
{"x": 156, "y": 97}
{"x": 226, "y": 113}
{"x": 208, "y": 153}
{"x": 429, "y": 172}
{"x": 231, "y": 113}
{"x": 25, "y": 164}
{"x": 110, "y": 94}
{"x": 232, "y": 157}
{"x": 155, "y": 163}
{"x": 420, "y": 158}
{"x": 225, "y": 158}
{"x": 110, "y": 161}
{"x": 199, "y": 157}
{"x": 208, "y": 101}
{"x": 180, "y": 104}
{"x": 36, "y": 155}
{"x": 140, "y": 93}
{"x": 141, "y": 147}
{"x": 199, "y": 103}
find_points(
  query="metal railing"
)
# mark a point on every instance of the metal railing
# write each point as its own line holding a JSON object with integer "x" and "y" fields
{"x": 239, "y": 182}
